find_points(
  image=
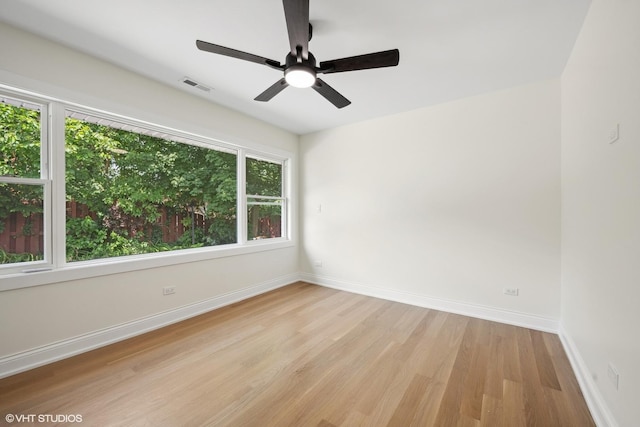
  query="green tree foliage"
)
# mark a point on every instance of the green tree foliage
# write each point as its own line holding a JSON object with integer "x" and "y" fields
{"x": 263, "y": 178}
{"x": 19, "y": 142}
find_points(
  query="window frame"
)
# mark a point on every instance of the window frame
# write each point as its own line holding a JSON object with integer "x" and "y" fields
{"x": 44, "y": 180}
{"x": 284, "y": 230}
{"x": 55, "y": 268}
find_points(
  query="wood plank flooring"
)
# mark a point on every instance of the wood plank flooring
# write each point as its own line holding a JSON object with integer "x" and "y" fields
{"x": 305, "y": 355}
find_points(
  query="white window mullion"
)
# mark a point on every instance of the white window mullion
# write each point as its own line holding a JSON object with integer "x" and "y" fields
{"x": 284, "y": 224}
{"x": 242, "y": 197}
{"x": 58, "y": 199}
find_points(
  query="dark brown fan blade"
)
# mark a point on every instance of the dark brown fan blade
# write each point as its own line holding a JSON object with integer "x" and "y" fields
{"x": 387, "y": 58}
{"x": 226, "y": 51}
{"x": 296, "y": 13}
{"x": 272, "y": 91}
{"x": 330, "y": 94}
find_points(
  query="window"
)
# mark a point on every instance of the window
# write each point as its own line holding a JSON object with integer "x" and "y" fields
{"x": 96, "y": 187}
{"x": 131, "y": 191}
{"x": 24, "y": 184}
{"x": 265, "y": 201}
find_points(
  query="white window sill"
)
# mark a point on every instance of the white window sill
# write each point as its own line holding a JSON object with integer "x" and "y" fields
{"x": 104, "y": 267}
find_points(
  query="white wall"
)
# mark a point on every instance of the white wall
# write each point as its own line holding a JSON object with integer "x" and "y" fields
{"x": 601, "y": 204}
{"x": 36, "y": 317}
{"x": 454, "y": 202}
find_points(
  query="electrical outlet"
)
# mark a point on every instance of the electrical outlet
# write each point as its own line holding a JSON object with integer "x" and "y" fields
{"x": 317, "y": 263}
{"x": 168, "y": 290}
{"x": 511, "y": 291}
{"x": 613, "y": 375}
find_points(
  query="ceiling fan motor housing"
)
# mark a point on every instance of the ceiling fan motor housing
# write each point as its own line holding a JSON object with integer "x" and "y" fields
{"x": 300, "y": 73}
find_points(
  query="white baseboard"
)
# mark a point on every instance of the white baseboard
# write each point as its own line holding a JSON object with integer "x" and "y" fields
{"x": 30, "y": 359}
{"x": 473, "y": 310}
{"x": 598, "y": 407}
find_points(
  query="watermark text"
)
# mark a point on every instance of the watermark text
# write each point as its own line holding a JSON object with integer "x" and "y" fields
{"x": 43, "y": 418}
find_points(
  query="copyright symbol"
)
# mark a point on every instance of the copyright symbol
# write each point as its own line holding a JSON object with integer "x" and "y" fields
{"x": 10, "y": 418}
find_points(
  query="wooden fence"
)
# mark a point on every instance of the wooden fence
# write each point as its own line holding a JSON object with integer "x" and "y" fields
{"x": 26, "y": 234}
{"x": 23, "y": 234}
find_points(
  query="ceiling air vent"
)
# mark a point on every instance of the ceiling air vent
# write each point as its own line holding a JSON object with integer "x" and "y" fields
{"x": 189, "y": 81}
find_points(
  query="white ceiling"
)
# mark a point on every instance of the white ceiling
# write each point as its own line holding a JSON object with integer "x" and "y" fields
{"x": 449, "y": 49}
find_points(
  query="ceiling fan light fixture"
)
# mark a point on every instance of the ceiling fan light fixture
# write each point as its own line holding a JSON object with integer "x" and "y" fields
{"x": 300, "y": 76}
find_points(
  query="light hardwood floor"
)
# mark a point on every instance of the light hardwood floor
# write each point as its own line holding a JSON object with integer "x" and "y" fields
{"x": 305, "y": 355}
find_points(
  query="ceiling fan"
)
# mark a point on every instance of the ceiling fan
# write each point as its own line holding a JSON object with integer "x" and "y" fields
{"x": 300, "y": 69}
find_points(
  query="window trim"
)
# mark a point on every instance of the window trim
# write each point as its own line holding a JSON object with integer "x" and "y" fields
{"x": 117, "y": 265}
{"x": 56, "y": 269}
